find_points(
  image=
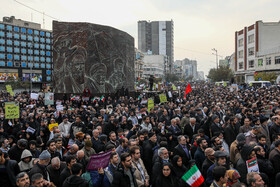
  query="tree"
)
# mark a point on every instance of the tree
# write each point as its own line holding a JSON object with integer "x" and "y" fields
{"x": 171, "y": 77}
{"x": 223, "y": 73}
{"x": 266, "y": 76}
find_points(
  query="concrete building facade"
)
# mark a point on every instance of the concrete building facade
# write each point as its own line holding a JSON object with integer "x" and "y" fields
{"x": 257, "y": 49}
{"x": 139, "y": 63}
{"x": 154, "y": 65}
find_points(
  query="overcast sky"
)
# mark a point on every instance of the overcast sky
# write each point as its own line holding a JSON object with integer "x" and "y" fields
{"x": 199, "y": 25}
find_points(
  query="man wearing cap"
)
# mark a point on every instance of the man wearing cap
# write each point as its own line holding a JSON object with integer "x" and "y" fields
{"x": 234, "y": 151}
{"x": 41, "y": 166}
{"x": 220, "y": 160}
{"x": 209, "y": 161}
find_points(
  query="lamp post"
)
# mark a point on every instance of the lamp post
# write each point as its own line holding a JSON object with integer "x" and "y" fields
{"x": 216, "y": 53}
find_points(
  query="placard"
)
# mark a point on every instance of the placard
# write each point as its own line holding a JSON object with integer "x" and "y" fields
{"x": 34, "y": 96}
{"x": 52, "y": 125}
{"x": 11, "y": 110}
{"x": 162, "y": 98}
{"x": 252, "y": 165}
{"x": 150, "y": 104}
{"x": 49, "y": 98}
{"x": 100, "y": 160}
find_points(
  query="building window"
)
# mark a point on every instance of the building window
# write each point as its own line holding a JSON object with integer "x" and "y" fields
{"x": 9, "y": 27}
{"x": 23, "y": 30}
{"x": 23, "y": 37}
{"x": 9, "y": 49}
{"x": 36, "y": 46}
{"x": 23, "y": 51}
{"x": 42, "y": 40}
{"x": 2, "y": 33}
{"x": 251, "y": 51}
{"x": 48, "y": 34}
{"x": 2, "y": 26}
{"x": 36, "y": 32}
{"x": 16, "y": 50}
{"x": 240, "y": 42}
{"x": 277, "y": 60}
{"x": 48, "y": 53}
{"x": 23, "y": 57}
{"x": 48, "y": 59}
{"x": 49, "y": 78}
{"x": 42, "y": 59}
{"x": 48, "y": 41}
{"x": 36, "y": 52}
{"x": 260, "y": 62}
{"x": 240, "y": 65}
{"x": 23, "y": 44}
{"x": 2, "y": 63}
{"x": 16, "y": 36}
{"x": 36, "y": 65}
{"x": 268, "y": 60}
{"x": 43, "y": 66}
{"x": 30, "y": 31}
{"x": 36, "y": 39}
{"x": 16, "y": 29}
{"x": 251, "y": 38}
{"x": 42, "y": 46}
{"x": 9, "y": 35}
{"x": 9, "y": 42}
{"x": 16, "y": 43}
{"x": 42, "y": 52}
{"x": 2, "y": 48}
{"x": 17, "y": 64}
{"x": 30, "y": 38}
{"x": 48, "y": 66}
{"x": 30, "y": 51}
{"x": 2, "y": 56}
{"x": 2, "y": 41}
{"x": 36, "y": 59}
{"x": 30, "y": 65}
{"x": 10, "y": 64}
{"x": 240, "y": 54}
{"x": 16, "y": 57}
{"x": 42, "y": 33}
{"x": 30, "y": 58}
{"x": 251, "y": 63}
{"x": 23, "y": 64}
{"x": 9, "y": 56}
{"x": 48, "y": 47}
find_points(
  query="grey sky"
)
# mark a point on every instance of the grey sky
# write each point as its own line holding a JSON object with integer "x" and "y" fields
{"x": 199, "y": 25}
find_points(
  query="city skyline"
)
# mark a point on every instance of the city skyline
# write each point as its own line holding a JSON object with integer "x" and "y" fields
{"x": 199, "y": 25}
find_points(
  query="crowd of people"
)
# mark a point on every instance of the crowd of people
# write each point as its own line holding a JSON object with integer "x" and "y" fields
{"x": 213, "y": 127}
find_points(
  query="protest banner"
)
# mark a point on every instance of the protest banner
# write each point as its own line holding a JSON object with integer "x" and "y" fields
{"x": 30, "y": 129}
{"x": 162, "y": 98}
{"x": 49, "y": 99}
{"x": 169, "y": 94}
{"x": 59, "y": 108}
{"x": 11, "y": 110}
{"x": 100, "y": 160}
{"x": 52, "y": 125}
{"x": 10, "y": 90}
{"x": 150, "y": 104}
{"x": 34, "y": 96}
{"x": 252, "y": 165}
{"x": 85, "y": 98}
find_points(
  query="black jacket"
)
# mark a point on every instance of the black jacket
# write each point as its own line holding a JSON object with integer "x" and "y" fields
{"x": 15, "y": 153}
{"x": 148, "y": 155}
{"x": 189, "y": 131}
{"x": 231, "y": 133}
{"x": 64, "y": 175}
{"x": 55, "y": 174}
{"x": 241, "y": 163}
{"x": 163, "y": 181}
{"x": 199, "y": 157}
{"x": 77, "y": 127}
{"x": 120, "y": 179}
{"x": 75, "y": 181}
{"x": 12, "y": 169}
{"x": 38, "y": 168}
{"x": 180, "y": 151}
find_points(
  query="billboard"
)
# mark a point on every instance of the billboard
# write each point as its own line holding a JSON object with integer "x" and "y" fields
{"x": 4, "y": 77}
{"x": 36, "y": 77}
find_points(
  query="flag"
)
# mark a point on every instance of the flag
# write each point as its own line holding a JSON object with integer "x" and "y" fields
{"x": 93, "y": 100}
{"x": 193, "y": 177}
{"x": 188, "y": 89}
{"x": 102, "y": 98}
{"x": 72, "y": 98}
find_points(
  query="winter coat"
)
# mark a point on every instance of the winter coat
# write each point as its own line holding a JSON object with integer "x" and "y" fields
{"x": 241, "y": 163}
{"x": 274, "y": 157}
{"x": 162, "y": 181}
{"x": 199, "y": 157}
{"x": 12, "y": 171}
{"x": 231, "y": 133}
{"x": 55, "y": 174}
{"x": 88, "y": 153}
{"x": 137, "y": 173}
{"x": 75, "y": 181}
{"x": 38, "y": 168}
{"x": 15, "y": 153}
{"x": 23, "y": 166}
{"x": 148, "y": 155}
{"x": 120, "y": 179}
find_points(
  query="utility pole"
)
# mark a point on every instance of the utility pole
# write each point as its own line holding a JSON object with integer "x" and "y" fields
{"x": 216, "y": 53}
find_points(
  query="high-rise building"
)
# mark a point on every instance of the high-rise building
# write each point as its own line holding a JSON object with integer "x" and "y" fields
{"x": 25, "y": 52}
{"x": 157, "y": 37}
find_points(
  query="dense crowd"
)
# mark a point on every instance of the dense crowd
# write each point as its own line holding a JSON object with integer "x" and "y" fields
{"x": 214, "y": 127}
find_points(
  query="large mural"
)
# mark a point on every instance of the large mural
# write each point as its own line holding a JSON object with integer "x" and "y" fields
{"x": 92, "y": 56}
